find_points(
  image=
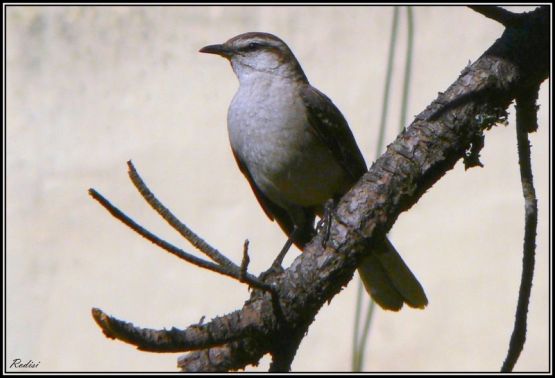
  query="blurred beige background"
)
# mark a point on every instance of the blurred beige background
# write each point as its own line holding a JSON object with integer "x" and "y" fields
{"x": 90, "y": 87}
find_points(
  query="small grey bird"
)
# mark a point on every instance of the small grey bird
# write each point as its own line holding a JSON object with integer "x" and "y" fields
{"x": 296, "y": 150}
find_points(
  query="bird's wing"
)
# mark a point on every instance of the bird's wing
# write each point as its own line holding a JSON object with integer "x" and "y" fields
{"x": 332, "y": 129}
{"x": 268, "y": 206}
{"x": 277, "y": 213}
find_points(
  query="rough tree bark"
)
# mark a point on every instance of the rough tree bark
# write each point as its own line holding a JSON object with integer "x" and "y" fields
{"x": 449, "y": 129}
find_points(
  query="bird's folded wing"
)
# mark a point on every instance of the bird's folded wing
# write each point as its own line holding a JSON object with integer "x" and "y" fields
{"x": 274, "y": 211}
{"x": 329, "y": 125}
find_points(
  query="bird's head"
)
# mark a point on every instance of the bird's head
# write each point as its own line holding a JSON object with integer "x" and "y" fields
{"x": 258, "y": 53}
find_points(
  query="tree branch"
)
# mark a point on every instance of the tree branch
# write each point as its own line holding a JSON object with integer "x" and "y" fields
{"x": 176, "y": 224}
{"x": 526, "y": 121}
{"x": 220, "y": 330}
{"x": 498, "y": 14}
{"x": 417, "y": 159}
{"x": 230, "y": 271}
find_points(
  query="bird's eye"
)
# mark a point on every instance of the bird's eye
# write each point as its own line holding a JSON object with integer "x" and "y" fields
{"x": 252, "y": 46}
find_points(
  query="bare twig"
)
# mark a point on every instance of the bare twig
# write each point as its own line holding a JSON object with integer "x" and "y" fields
{"x": 525, "y": 122}
{"x": 118, "y": 214}
{"x": 246, "y": 260}
{"x": 176, "y": 224}
{"x": 218, "y": 331}
{"x": 496, "y": 13}
{"x": 225, "y": 270}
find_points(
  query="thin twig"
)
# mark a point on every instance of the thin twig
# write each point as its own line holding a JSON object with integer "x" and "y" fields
{"x": 176, "y": 224}
{"x": 246, "y": 260}
{"x": 524, "y": 104}
{"x": 225, "y": 270}
{"x": 503, "y": 16}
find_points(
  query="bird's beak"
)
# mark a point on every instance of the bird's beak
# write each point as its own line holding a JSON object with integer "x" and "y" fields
{"x": 221, "y": 50}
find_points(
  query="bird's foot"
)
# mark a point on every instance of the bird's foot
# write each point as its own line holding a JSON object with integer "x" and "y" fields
{"x": 325, "y": 222}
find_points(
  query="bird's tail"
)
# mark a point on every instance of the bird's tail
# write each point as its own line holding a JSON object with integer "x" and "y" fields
{"x": 389, "y": 280}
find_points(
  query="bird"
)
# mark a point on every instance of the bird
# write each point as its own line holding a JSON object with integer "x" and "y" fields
{"x": 297, "y": 152}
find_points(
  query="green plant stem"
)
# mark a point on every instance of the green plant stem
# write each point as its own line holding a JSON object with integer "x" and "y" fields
{"x": 359, "y": 347}
{"x": 408, "y": 68}
{"x": 388, "y": 75}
